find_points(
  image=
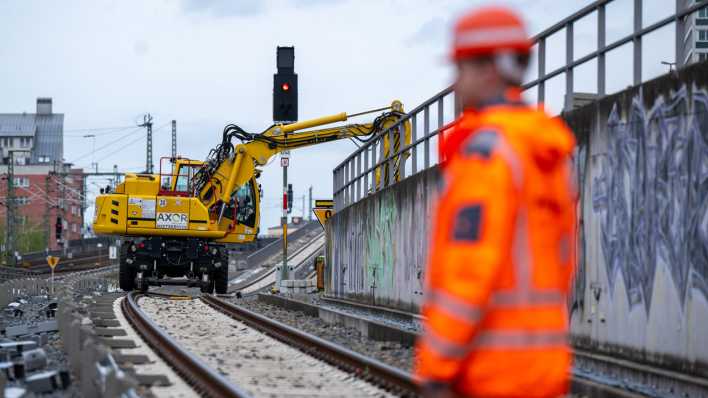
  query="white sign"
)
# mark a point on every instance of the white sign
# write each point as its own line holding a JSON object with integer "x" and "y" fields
{"x": 148, "y": 208}
{"x": 172, "y": 220}
{"x": 284, "y": 162}
{"x": 112, "y": 252}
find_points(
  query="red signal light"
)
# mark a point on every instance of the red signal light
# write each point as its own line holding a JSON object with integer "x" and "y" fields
{"x": 285, "y": 87}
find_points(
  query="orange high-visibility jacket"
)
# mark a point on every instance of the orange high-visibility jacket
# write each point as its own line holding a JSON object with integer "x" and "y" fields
{"x": 501, "y": 258}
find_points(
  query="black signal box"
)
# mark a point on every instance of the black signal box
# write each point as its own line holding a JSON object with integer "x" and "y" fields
{"x": 285, "y": 86}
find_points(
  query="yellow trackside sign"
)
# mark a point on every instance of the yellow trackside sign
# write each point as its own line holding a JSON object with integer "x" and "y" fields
{"x": 323, "y": 215}
{"x": 52, "y": 261}
{"x": 323, "y": 210}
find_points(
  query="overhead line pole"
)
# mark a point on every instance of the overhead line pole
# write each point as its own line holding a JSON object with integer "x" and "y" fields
{"x": 147, "y": 123}
{"x": 174, "y": 139}
{"x": 10, "y": 234}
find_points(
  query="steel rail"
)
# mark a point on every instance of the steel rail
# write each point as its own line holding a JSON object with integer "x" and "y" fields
{"x": 196, "y": 373}
{"x": 363, "y": 367}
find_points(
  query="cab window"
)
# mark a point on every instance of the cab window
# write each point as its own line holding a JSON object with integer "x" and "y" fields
{"x": 184, "y": 178}
{"x": 245, "y": 206}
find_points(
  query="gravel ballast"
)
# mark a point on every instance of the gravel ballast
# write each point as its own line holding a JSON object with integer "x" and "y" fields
{"x": 391, "y": 353}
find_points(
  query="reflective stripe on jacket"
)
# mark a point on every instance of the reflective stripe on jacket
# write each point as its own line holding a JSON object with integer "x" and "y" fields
{"x": 501, "y": 258}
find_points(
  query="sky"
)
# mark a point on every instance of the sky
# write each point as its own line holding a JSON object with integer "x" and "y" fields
{"x": 208, "y": 63}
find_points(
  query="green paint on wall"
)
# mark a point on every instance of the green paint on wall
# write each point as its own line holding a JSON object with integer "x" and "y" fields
{"x": 381, "y": 244}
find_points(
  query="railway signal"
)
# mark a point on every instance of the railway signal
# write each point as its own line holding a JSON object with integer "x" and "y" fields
{"x": 285, "y": 86}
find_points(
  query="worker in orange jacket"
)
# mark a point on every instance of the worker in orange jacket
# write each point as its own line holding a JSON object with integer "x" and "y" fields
{"x": 496, "y": 321}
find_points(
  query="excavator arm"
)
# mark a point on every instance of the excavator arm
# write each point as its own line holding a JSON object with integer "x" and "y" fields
{"x": 231, "y": 166}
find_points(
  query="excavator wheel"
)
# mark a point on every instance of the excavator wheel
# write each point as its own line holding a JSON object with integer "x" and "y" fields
{"x": 142, "y": 285}
{"x": 126, "y": 275}
{"x": 207, "y": 287}
{"x": 221, "y": 276}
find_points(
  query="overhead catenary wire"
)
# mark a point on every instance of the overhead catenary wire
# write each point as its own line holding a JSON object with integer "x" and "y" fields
{"x": 135, "y": 130}
{"x": 101, "y": 131}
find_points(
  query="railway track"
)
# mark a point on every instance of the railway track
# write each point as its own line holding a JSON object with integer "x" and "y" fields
{"x": 226, "y": 351}
{"x": 68, "y": 264}
{"x": 199, "y": 375}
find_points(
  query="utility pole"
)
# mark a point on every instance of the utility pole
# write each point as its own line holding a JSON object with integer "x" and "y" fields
{"x": 174, "y": 139}
{"x": 303, "y": 206}
{"x": 94, "y": 164}
{"x": 147, "y": 123}
{"x": 47, "y": 210}
{"x": 309, "y": 217}
{"x": 10, "y": 233}
{"x": 64, "y": 228}
{"x": 116, "y": 177}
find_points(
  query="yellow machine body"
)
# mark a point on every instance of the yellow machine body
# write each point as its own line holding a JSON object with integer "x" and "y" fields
{"x": 219, "y": 199}
{"x": 139, "y": 207}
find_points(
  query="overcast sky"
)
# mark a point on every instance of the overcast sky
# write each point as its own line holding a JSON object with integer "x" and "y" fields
{"x": 207, "y": 63}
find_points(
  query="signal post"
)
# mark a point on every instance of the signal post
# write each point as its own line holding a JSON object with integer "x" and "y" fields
{"x": 285, "y": 111}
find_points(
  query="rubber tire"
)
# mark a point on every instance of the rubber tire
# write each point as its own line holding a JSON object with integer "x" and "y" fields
{"x": 126, "y": 275}
{"x": 221, "y": 278}
{"x": 142, "y": 286}
{"x": 208, "y": 288}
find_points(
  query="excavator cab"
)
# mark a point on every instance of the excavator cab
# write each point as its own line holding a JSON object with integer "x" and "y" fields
{"x": 176, "y": 176}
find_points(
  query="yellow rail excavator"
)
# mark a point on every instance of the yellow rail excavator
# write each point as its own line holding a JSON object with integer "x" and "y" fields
{"x": 177, "y": 223}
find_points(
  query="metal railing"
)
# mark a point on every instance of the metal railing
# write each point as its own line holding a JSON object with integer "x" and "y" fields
{"x": 681, "y": 12}
{"x": 367, "y": 169}
{"x": 370, "y": 168}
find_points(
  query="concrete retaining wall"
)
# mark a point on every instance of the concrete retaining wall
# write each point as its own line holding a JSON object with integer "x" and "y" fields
{"x": 376, "y": 248}
{"x": 642, "y": 167}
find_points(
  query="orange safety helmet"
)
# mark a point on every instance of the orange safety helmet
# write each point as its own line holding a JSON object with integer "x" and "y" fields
{"x": 489, "y": 30}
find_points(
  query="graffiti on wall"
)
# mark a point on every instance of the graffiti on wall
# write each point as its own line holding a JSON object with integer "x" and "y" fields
{"x": 381, "y": 244}
{"x": 651, "y": 194}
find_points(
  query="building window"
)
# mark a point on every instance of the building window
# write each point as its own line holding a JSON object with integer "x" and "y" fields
{"x": 703, "y": 35}
{"x": 22, "y": 182}
{"x": 702, "y": 57}
{"x": 703, "y": 13}
{"x": 43, "y": 159}
{"x": 22, "y": 200}
{"x": 25, "y": 142}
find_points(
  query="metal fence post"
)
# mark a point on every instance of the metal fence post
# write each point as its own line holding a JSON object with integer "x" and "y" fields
{"x": 426, "y": 134}
{"x": 569, "y": 57}
{"x": 541, "y": 91}
{"x": 358, "y": 176}
{"x": 601, "y": 34}
{"x": 414, "y": 138}
{"x": 637, "y": 61}
{"x": 366, "y": 173}
{"x": 382, "y": 165}
{"x": 680, "y": 35}
{"x": 390, "y": 166}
